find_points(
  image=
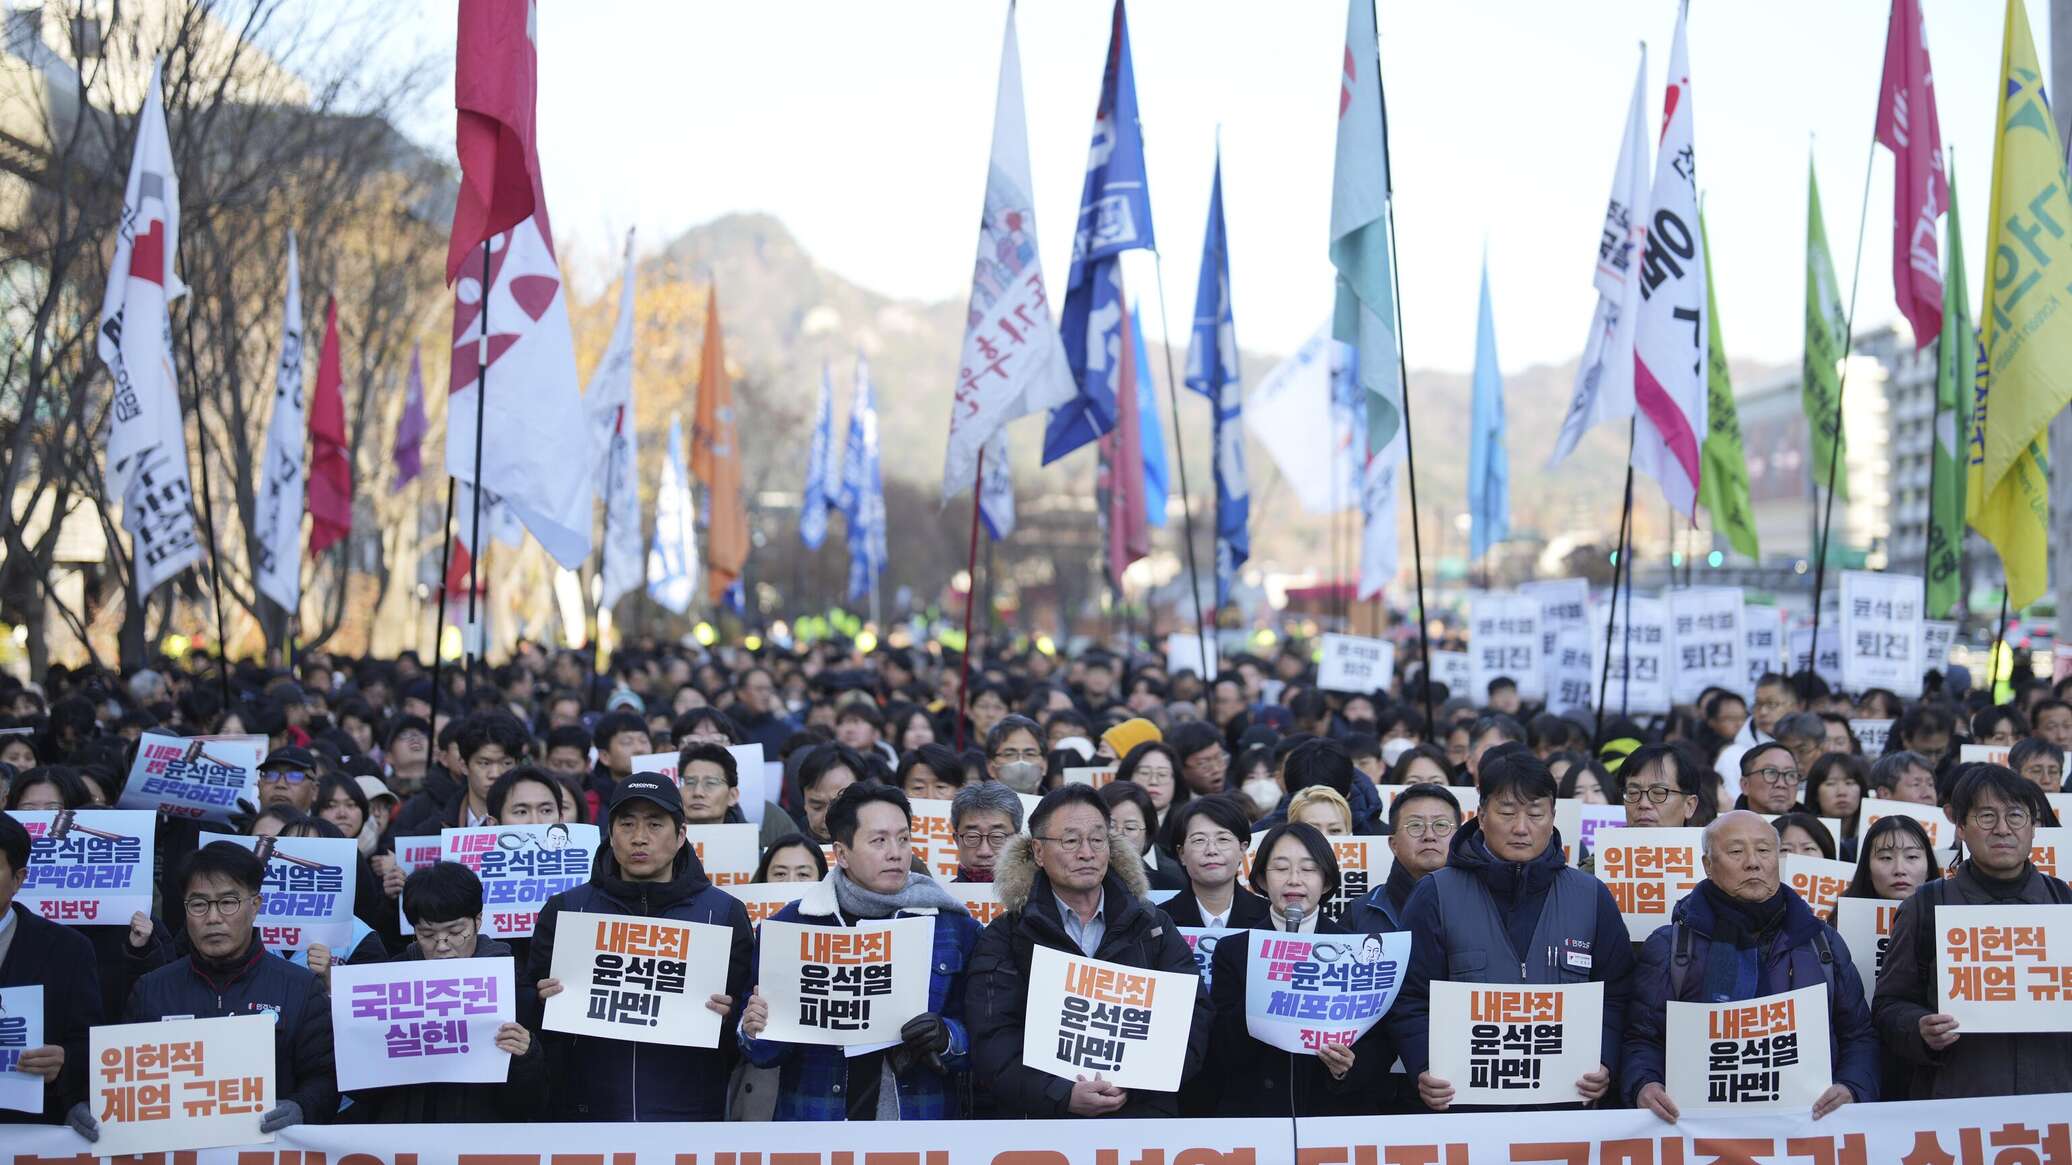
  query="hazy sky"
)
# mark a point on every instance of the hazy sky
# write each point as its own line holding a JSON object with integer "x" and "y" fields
{"x": 865, "y": 128}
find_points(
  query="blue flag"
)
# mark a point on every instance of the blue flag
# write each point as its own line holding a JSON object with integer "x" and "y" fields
{"x": 863, "y": 492}
{"x": 1150, "y": 432}
{"x": 1212, "y": 372}
{"x": 1114, "y": 216}
{"x": 813, "y": 510}
{"x": 672, "y": 565}
{"x": 1489, "y": 464}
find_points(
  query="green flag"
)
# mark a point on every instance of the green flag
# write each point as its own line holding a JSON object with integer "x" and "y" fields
{"x": 1827, "y": 345}
{"x": 1956, "y": 356}
{"x": 1723, "y": 483}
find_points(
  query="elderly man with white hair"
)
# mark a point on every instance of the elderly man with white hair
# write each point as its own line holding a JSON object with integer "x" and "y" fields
{"x": 1743, "y": 935}
{"x": 984, "y": 817}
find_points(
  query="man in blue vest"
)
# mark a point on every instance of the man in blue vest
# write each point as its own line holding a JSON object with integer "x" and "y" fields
{"x": 1506, "y": 909}
{"x": 1742, "y": 935}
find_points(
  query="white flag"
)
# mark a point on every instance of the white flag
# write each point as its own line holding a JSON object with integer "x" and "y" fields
{"x": 277, "y": 531}
{"x": 996, "y": 489}
{"x": 1670, "y": 343}
{"x": 147, "y": 441}
{"x": 1312, "y": 392}
{"x": 1013, "y": 361}
{"x": 614, "y": 446}
{"x": 1604, "y": 381}
{"x": 672, "y": 565}
{"x": 1378, "y": 550}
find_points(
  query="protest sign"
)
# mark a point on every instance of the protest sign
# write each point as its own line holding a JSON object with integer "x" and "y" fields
{"x": 1765, "y": 1053}
{"x": 1504, "y": 643}
{"x": 1936, "y": 638}
{"x": 2004, "y": 968}
{"x": 749, "y": 780}
{"x": 1833, "y": 825}
{"x": 1564, "y": 613}
{"x": 843, "y": 985}
{"x": 1871, "y": 735}
{"x": 415, "y": 853}
{"x": 641, "y": 979}
{"x": 1355, "y": 663}
{"x": 1184, "y": 653}
{"x": 1984, "y": 754}
{"x": 88, "y": 867}
{"x": 2051, "y": 851}
{"x": 181, "y": 1083}
{"x": 308, "y": 894}
{"x": 1820, "y": 881}
{"x": 200, "y": 778}
{"x": 1941, "y": 834}
{"x": 1571, "y": 674}
{"x": 1763, "y": 630}
{"x": 2061, "y": 803}
{"x": 1201, "y": 943}
{"x": 421, "y": 1021}
{"x": 21, "y": 1028}
{"x": 1515, "y": 1045}
{"x": 1830, "y": 666}
{"x": 1648, "y": 872}
{"x": 763, "y": 899}
{"x": 660, "y": 764}
{"x": 1455, "y": 670}
{"x": 521, "y": 866}
{"x": 1095, "y": 775}
{"x": 1577, "y": 825}
{"x": 729, "y": 853}
{"x": 1364, "y": 862}
{"x": 1881, "y": 632}
{"x": 1090, "y": 1018}
{"x": 1303, "y": 991}
{"x": 933, "y": 842}
{"x": 1709, "y": 642}
{"x": 981, "y": 900}
{"x": 1638, "y": 679}
{"x": 1865, "y": 925}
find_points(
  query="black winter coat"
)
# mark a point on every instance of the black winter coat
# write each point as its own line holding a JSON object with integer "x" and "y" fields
{"x": 260, "y": 984}
{"x": 520, "y": 1098}
{"x": 61, "y": 961}
{"x": 1245, "y": 1077}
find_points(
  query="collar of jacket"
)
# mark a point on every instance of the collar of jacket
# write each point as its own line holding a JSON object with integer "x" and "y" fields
{"x": 1015, "y": 872}
{"x": 687, "y": 879}
{"x": 1506, "y": 879}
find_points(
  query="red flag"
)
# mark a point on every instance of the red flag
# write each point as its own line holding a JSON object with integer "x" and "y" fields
{"x": 1122, "y": 470}
{"x": 458, "y": 563}
{"x": 1921, "y": 191}
{"x": 495, "y": 90}
{"x": 330, "y": 461}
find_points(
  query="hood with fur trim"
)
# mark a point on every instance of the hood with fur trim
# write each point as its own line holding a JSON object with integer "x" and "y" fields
{"x": 1015, "y": 870}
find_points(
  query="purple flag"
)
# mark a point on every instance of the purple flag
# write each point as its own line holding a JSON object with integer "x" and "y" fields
{"x": 410, "y": 430}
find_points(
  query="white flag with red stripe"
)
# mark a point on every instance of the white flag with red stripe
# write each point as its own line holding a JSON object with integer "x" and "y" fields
{"x": 1670, "y": 345}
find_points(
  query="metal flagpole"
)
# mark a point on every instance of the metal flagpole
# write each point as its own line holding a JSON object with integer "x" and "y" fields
{"x": 978, "y": 484}
{"x": 439, "y": 606}
{"x": 1201, "y": 633}
{"x": 1619, "y": 566}
{"x": 481, "y": 413}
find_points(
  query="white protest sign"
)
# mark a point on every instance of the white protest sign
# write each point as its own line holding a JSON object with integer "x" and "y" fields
{"x": 2004, "y": 968}
{"x": 764, "y": 899}
{"x": 1872, "y": 735}
{"x": 641, "y": 979}
{"x": 521, "y": 866}
{"x": 1763, "y": 629}
{"x": 660, "y": 764}
{"x": 1355, "y": 663}
{"x": 1865, "y": 925}
{"x": 1094, "y": 775}
{"x": 200, "y": 778}
{"x": 1564, "y": 608}
{"x": 1638, "y": 679}
{"x": 1455, "y": 670}
{"x": 2051, "y": 851}
{"x": 1571, "y": 682}
{"x": 1090, "y": 1018}
{"x": 1882, "y": 632}
{"x": 1936, "y": 637}
{"x": 1202, "y": 942}
{"x": 844, "y": 985}
{"x": 1364, "y": 862}
{"x": 1504, "y": 643}
{"x": 1648, "y": 872}
{"x": 1820, "y": 881}
{"x": 88, "y": 867}
{"x": 21, "y": 1028}
{"x": 1577, "y": 825}
{"x": 981, "y": 900}
{"x": 933, "y": 842}
{"x": 415, "y": 853}
{"x": 752, "y": 778}
{"x": 1303, "y": 991}
{"x": 421, "y": 1021}
{"x": 729, "y": 853}
{"x": 181, "y": 1084}
{"x": 308, "y": 895}
{"x": 1941, "y": 834}
{"x": 1525, "y": 1045}
{"x": 1765, "y": 1053}
{"x": 1710, "y": 642}
{"x": 1830, "y": 665}
{"x": 1185, "y": 653}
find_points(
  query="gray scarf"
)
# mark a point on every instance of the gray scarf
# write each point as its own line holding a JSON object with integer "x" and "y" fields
{"x": 920, "y": 893}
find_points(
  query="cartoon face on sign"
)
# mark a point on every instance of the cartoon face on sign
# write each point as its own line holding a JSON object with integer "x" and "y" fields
{"x": 1370, "y": 949}
{"x": 557, "y": 837}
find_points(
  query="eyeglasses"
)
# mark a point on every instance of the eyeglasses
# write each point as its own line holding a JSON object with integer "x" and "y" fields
{"x": 226, "y": 906}
{"x": 1656, "y": 794}
{"x": 972, "y": 839}
{"x": 1132, "y": 828}
{"x": 707, "y": 785}
{"x": 1422, "y": 829}
{"x": 1204, "y": 842}
{"x": 1773, "y": 776}
{"x": 1992, "y": 819}
{"x": 1073, "y": 842}
{"x": 292, "y": 776}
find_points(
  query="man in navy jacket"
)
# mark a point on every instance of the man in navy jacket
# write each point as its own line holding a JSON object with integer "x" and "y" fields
{"x": 34, "y": 952}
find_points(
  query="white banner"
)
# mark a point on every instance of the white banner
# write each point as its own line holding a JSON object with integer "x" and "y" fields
{"x": 1829, "y": 667}
{"x": 1648, "y": 872}
{"x": 277, "y": 528}
{"x": 1936, "y": 637}
{"x": 640, "y": 979}
{"x": 729, "y": 853}
{"x": 1571, "y": 671}
{"x": 1504, "y": 641}
{"x": 88, "y": 867}
{"x": 1764, "y": 628}
{"x": 2051, "y": 851}
{"x": 934, "y": 845}
{"x": 1871, "y": 735}
{"x": 521, "y": 866}
{"x": 308, "y": 895}
{"x": 201, "y": 778}
{"x": 844, "y": 985}
{"x": 1767, "y": 1053}
{"x": 1564, "y": 607}
{"x": 1185, "y": 653}
{"x": 21, "y": 1028}
{"x": 1882, "y": 632}
{"x": 1525, "y": 1045}
{"x": 764, "y": 899}
{"x": 1820, "y": 881}
{"x": 1865, "y": 925}
{"x": 180, "y": 1083}
{"x": 1637, "y": 682}
{"x": 1085, "y": 1017}
{"x": 2004, "y": 968}
{"x": 1303, "y": 991}
{"x": 1455, "y": 670}
{"x": 421, "y": 1021}
{"x": 1710, "y": 642}
{"x": 1354, "y": 663}
{"x": 981, "y": 900}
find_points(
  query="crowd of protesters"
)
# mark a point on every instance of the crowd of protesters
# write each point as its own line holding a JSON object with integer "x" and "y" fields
{"x": 368, "y": 750}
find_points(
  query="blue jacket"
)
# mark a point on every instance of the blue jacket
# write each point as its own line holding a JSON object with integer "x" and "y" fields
{"x": 259, "y": 984}
{"x": 599, "y": 1079}
{"x": 1381, "y": 911}
{"x": 61, "y": 961}
{"x": 1785, "y": 957}
{"x": 813, "y": 1083}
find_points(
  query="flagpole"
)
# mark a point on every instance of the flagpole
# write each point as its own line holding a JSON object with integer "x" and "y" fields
{"x": 1619, "y": 565}
{"x": 208, "y": 515}
{"x": 978, "y": 484}
{"x": 476, "y": 548}
{"x": 1992, "y": 659}
{"x": 439, "y": 606}
{"x": 1201, "y": 633}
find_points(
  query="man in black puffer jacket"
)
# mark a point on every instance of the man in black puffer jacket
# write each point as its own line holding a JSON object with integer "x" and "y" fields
{"x": 645, "y": 869}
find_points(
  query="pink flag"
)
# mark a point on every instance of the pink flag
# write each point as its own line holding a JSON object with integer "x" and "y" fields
{"x": 411, "y": 429}
{"x": 1921, "y": 191}
{"x": 330, "y": 459}
{"x": 1122, "y": 468}
{"x": 495, "y": 92}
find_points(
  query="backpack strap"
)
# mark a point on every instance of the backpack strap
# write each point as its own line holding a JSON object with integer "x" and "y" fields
{"x": 1826, "y": 951}
{"x": 1680, "y": 945}
{"x": 1931, "y": 895}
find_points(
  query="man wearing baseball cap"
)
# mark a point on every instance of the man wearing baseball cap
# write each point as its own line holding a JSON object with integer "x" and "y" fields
{"x": 288, "y": 776}
{"x": 648, "y": 870}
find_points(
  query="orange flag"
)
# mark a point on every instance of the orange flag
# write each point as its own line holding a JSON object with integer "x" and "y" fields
{"x": 716, "y": 461}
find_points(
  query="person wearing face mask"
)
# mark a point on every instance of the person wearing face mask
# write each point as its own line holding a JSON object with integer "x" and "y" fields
{"x": 1211, "y": 834}
{"x": 1014, "y": 753}
{"x": 1422, "y": 821}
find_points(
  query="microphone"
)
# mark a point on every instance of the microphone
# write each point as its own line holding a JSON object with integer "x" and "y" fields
{"x": 1291, "y": 914}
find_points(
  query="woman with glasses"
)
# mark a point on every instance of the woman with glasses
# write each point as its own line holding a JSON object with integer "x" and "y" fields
{"x": 1211, "y": 834}
{"x": 1155, "y": 767}
{"x": 1134, "y": 819}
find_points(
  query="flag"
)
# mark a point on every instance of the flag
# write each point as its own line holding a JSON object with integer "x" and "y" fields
{"x": 1956, "y": 366}
{"x": 1489, "y": 462}
{"x": 863, "y": 488}
{"x": 1157, "y": 480}
{"x": 615, "y": 448}
{"x": 1212, "y": 371}
{"x": 716, "y": 461}
{"x": 277, "y": 527}
{"x": 1669, "y": 338}
{"x": 410, "y": 430}
{"x": 996, "y": 489}
{"x": 330, "y": 458}
{"x": 672, "y": 565}
{"x": 1114, "y": 216}
{"x": 519, "y": 328}
{"x": 1604, "y": 380}
{"x": 1120, "y": 483}
{"x": 813, "y": 509}
{"x": 1013, "y": 362}
{"x": 147, "y": 441}
{"x": 1723, "y": 488}
{"x": 1920, "y": 188}
{"x": 1308, "y": 393}
{"x": 1380, "y": 482}
{"x": 2025, "y": 376}
{"x": 1364, "y": 313}
{"x": 1827, "y": 345}
{"x": 498, "y": 523}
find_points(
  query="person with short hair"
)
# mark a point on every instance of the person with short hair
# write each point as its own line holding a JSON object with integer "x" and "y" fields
{"x": 1770, "y": 779}
{"x": 288, "y": 776}
{"x": 984, "y": 818}
{"x": 35, "y": 952}
{"x": 1135, "y": 820}
{"x": 793, "y": 858}
{"x": 2039, "y": 762}
{"x": 1321, "y": 806}
{"x": 1804, "y": 835}
{"x": 929, "y": 772}
{"x": 1904, "y": 776}
{"x": 1211, "y": 834}
{"x": 618, "y": 737}
{"x": 826, "y": 770}
{"x": 567, "y": 751}
{"x": 1488, "y": 732}
{"x": 1657, "y": 789}
{"x": 1422, "y": 822}
{"x": 2051, "y": 720}
{"x": 710, "y": 779}
{"x": 1014, "y": 753}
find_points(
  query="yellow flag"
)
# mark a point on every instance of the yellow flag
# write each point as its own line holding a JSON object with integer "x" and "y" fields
{"x": 2025, "y": 332}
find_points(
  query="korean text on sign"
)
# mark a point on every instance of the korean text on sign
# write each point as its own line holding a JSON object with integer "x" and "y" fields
{"x": 21, "y": 1028}
{"x": 2005, "y": 968}
{"x": 1762, "y": 1053}
{"x": 1515, "y": 1045}
{"x": 1648, "y": 871}
{"x": 88, "y": 866}
{"x": 1882, "y": 632}
{"x": 1866, "y": 928}
{"x": 1201, "y": 943}
{"x": 640, "y": 979}
{"x": 521, "y": 866}
{"x": 421, "y": 1021}
{"x": 307, "y": 897}
{"x": 200, "y": 778}
{"x": 1303, "y": 991}
{"x": 181, "y": 1084}
{"x": 844, "y": 986}
{"x": 1127, "y": 1025}
{"x": 1353, "y": 663}
{"x": 1504, "y": 641}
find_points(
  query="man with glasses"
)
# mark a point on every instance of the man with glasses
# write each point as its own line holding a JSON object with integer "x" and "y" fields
{"x": 1770, "y": 780}
{"x": 1775, "y": 699}
{"x": 288, "y": 776}
{"x": 1995, "y": 812}
{"x": 984, "y": 817}
{"x": 710, "y": 780}
{"x": 1422, "y": 821}
{"x": 1658, "y": 792}
{"x": 228, "y": 972}
{"x": 1507, "y": 908}
{"x": 1072, "y": 887}
{"x": 2038, "y": 762}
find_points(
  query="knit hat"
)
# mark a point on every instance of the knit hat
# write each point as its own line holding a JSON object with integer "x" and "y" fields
{"x": 1129, "y": 734}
